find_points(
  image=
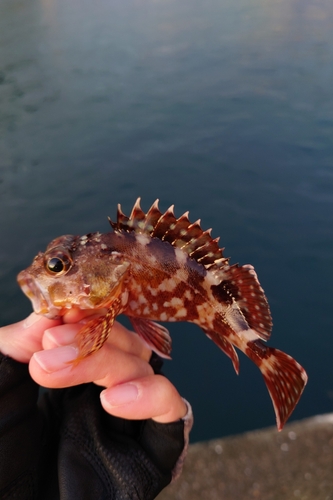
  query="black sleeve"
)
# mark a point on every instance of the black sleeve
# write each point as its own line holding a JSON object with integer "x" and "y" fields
{"x": 21, "y": 432}
{"x": 70, "y": 448}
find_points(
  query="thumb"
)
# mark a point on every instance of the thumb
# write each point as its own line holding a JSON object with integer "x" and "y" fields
{"x": 20, "y": 340}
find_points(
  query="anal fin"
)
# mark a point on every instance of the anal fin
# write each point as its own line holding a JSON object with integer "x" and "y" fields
{"x": 156, "y": 336}
{"x": 224, "y": 344}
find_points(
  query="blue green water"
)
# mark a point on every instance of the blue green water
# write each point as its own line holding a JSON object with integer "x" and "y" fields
{"x": 224, "y": 108}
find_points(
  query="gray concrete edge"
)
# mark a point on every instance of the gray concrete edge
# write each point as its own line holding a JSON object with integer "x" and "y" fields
{"x": 296, "y": 463}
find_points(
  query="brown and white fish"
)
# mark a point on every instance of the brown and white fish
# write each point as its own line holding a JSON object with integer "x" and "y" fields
{"x": 154, "y": 267}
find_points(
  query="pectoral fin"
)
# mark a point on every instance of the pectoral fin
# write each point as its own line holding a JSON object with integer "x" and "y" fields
{"x": 156, "y": 336}
{"x": 94, "y": 334}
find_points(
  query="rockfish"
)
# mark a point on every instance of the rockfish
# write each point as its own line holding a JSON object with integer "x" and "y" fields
{"x": 155, "y": 267}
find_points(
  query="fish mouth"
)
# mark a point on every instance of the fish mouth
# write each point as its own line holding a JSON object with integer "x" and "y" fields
{"x": 40, "y": 300}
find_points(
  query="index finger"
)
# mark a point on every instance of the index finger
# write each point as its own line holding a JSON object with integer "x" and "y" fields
{"x": 20, "y": 340}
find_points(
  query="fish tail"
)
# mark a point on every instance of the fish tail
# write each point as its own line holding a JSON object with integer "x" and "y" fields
{"x": 284, "y": 377}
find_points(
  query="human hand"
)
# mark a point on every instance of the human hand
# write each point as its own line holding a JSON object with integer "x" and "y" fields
{"x": 132, "y": 391}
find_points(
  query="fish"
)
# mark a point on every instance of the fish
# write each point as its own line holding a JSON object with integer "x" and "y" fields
{"x": 154, "y": 267}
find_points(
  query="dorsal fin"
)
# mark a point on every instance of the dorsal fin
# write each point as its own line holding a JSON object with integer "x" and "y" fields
{"x": 181, "y": 233}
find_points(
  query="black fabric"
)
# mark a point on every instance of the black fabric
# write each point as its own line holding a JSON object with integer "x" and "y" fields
{"x": 68, "y": 447}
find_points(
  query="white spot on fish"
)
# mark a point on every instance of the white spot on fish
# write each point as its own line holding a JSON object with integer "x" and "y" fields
{"x": 206, "y": 314}
{"x": 116, "y": 254}
{"x": 180, "y": 256}
{"x": 267, "y": 366}
{"x": 124, "y": 298}
{"x": 167, "y": 285}
{"x": 103, "y": 246}
{"x": 152, "y": 260}
{"x": 142, "y": 299}
{"x": 137, "y": 288}
{"x": 163, "y": 316}
{"x": 143, "y": 239}
{"x": 249, "y": 335}
{"x": 153, "y": 291}
{"x": 213, "y": 279}
{"x": 146, "y": 310}
{"x": 176, "y": 302}
{"x": 181, "y": 313}
{"x": 155, "y": 306}
{"x": 133, "y": 305}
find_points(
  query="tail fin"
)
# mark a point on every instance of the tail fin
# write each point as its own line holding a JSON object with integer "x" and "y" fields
{"x": 284, "y": 377}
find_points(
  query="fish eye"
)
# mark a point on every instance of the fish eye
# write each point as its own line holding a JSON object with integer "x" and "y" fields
{"x": 58, "y": 264}
{"x": 55, "y": 265}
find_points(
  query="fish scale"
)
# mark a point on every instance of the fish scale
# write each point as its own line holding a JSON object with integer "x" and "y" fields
{"x": 156, "y": 267}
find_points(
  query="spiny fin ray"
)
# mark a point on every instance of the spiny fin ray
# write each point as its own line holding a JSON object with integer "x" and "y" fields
{"x": 181, "y": 233}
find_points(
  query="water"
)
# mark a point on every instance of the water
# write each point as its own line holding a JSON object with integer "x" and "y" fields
{"x": 222, "y": 108}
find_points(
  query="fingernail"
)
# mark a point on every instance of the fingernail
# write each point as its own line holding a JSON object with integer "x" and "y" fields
{"x": 31, "y": 320}
{"x": 53, "y": 360}
{"x": 120, "y": 395}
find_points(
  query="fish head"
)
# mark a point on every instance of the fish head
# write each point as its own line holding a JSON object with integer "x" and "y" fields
{"x": 73, "y": 272}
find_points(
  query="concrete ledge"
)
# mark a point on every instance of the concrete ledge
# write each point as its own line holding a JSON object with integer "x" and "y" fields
{"x": 296, "y": 463}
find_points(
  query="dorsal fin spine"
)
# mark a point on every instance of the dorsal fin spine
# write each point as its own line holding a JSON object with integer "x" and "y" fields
{"x": 136, "y": 207}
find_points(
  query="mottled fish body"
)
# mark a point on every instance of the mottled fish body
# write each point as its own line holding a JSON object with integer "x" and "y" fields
{"x": 154, "y": 267}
